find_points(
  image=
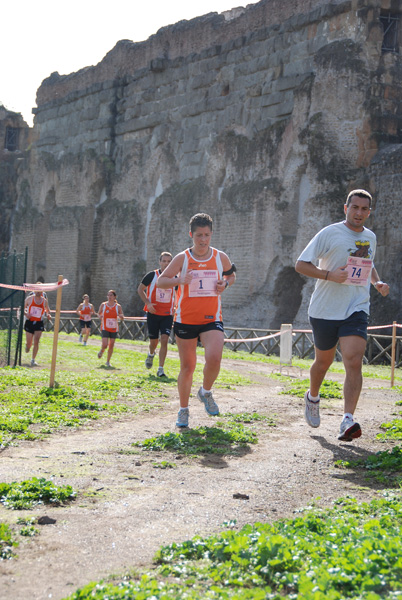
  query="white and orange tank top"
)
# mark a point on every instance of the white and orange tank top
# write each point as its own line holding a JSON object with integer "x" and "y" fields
{"x": 109, "y": 317}
{"x": 198, "y": 302}
{"x": 35, "y": 310}
{"x": 86, "y": 313}
{"x": 162, "y": 299}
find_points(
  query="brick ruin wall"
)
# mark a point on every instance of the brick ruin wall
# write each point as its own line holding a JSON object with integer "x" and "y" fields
{"x": 263, "y": 117}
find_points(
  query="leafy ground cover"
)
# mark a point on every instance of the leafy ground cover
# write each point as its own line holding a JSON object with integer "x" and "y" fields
{"x": 384, "y": 466}
{"x": 329, "y": 389}
{"x": 20, "y": 495}
{"x": 85, "y": 391}
{"x": 281, "y": 473}
{"x": 350, "y": 551}
{"x": 229, "y": 436}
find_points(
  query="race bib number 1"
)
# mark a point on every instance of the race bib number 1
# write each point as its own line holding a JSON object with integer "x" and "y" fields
{"x": 86, "y": 317}
{"x": 203, "y": 284}
{"x": 359, "y": 270}
{"x": 111, "y": 323}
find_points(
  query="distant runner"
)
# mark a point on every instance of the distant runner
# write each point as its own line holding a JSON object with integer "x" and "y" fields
{"x": 110, "y": 313}
{"x": 36, "y": 308}
{"x": 159, "y": 306}
{"x": 85, "y": 311}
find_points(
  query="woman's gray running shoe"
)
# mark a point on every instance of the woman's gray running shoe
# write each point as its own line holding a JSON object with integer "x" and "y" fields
{"x": 311, "y": 411}
{"x": 210, "y": 405}
{"x": 182, "y": 417}
{"x": 149, "y": 361}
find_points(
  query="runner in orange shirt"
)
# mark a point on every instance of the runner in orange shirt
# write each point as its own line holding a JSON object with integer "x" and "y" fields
{"x": 110, "y": 313}
{"x": 203, "y": 274}
{"x": 159, "y": 306}
{"x": 85, "y": 311}
{"x": 36, "y": 306}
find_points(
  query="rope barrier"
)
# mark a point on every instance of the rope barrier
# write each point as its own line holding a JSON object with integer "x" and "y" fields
{"x": 36, "y": 287}
{"x": 256, "y": 339}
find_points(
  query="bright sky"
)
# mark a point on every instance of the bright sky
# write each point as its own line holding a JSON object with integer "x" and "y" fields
{"x": 43, "y": 36}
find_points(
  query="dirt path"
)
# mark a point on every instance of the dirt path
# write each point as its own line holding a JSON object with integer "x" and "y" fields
{"x": 126, "y": 508}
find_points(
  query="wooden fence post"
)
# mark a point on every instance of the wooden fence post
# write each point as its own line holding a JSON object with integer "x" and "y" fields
{"x": 393, "y": 346}
{"x": 285, "y": 347}
{"x": 56, "y": 331}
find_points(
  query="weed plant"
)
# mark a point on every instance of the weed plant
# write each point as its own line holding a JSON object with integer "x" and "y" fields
{"x": 86, "y": 390}
{"x": 26, "y": 494}
{"x": 7, "y": 541}
{"x": 228, "y": 436}
{"x": 350, "y": 551}
{"x": 384, "y": 466}
{"x": 328, "y": 389}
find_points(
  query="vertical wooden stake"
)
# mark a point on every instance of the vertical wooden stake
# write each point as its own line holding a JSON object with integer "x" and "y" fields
{"x": 56, "y": 331}
{"x": 285, "y": 348}
{"x": 393, "y": 346}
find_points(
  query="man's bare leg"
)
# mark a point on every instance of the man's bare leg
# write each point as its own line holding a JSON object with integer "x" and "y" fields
{"x": 352, "y": 348}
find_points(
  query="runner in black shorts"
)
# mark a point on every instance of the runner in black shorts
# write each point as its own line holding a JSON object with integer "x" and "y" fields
{"x": 36, "y": 308}
{"x": 339, "y": 305}
{"x": 203, "y": 274}
{"x": 159, "y": 307}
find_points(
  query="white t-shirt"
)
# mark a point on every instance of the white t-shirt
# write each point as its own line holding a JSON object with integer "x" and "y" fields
{"x": 331, "y": 248}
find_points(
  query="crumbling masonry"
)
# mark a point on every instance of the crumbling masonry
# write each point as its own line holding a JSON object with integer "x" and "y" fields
{"x": 264, "y": 117}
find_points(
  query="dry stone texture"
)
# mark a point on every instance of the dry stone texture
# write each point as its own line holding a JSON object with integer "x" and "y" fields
{"x": 264, "y": 117}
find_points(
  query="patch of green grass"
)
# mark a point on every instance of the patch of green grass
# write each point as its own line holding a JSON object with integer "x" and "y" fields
{"x": 164, "y": 464}
{"x": 384, "y": 466}
{"x": 350, "y": 551}
{"x": 328, "y": 389}
{"x": 26, "y": 494}
{"x": 223, "y": 439}
{"x": 393, "y": 430}
{"x": 7, "y": 541}
{"x": 247, "y": 417}
{"x": 85, "y": 391}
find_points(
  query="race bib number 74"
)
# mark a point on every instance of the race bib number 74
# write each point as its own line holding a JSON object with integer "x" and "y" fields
{"x": 359, "y": 270}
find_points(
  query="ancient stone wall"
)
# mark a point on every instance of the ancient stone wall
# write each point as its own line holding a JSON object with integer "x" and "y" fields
{"x": 265, "y": 119}
{"x": 15, "y": 137}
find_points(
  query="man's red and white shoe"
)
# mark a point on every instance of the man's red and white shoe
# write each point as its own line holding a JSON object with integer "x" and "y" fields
{"x": 349, "y": 430}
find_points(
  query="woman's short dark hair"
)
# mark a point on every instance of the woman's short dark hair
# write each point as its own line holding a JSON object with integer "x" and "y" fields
{"x": 200, "y": 220}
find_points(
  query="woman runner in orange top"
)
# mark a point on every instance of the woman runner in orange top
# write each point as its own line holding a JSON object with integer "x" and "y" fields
{"x": 110, "y": 313}
{"x": 85, "y": 311}
{"x": 35, "y": 308}
{"x": 203, "y": 273}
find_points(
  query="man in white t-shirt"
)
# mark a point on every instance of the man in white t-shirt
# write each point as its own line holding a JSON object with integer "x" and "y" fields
{"x": 339, "y": 305}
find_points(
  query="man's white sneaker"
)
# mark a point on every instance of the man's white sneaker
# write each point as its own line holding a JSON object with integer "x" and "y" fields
{"x": 160, "y": 372}
{"x": 80, "y": 339}
{"x": 349, "y": 430}
{"x": 100, "y": 353}
{"x": 107, "y": 364}
{"x": 311, "y": 411}
{"x": 182, "y": 417}
{"x": 34, "y": 363}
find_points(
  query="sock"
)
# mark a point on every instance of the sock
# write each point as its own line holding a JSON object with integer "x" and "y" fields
{"x": 149, "y": 354}
{"x": 347, "y": 416}
{"x": 203, "y": 390}
{"x": 313, "y": 398}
